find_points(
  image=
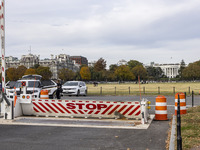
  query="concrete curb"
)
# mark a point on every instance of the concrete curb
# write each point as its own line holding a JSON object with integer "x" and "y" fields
{"x": 173, "y": 134}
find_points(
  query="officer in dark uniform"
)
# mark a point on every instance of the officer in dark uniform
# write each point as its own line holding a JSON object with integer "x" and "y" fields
{"x": 59, "y": 89}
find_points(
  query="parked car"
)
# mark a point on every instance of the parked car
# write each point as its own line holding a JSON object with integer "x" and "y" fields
{"x": 34, "y": 85}
{"x": 74, "y": 88}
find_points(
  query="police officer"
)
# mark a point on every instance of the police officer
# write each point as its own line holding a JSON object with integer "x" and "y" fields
{"x": 59, "y": 89}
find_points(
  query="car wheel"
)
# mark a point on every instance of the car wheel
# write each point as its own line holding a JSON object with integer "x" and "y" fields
{"x": 78, "y": 93}
{"x": 53, "y": 96}
{"x": 85, "y": 93}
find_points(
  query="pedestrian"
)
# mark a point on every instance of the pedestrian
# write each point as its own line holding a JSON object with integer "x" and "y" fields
{"x": 59, "y": 89}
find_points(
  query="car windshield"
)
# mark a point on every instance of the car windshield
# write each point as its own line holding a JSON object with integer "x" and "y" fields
{"x": 33, "y": 84}
{"x": 71, "y": 84}
{"x": 11, "y": 84}
{"x": 18, "y": 84}
{"x": 30, "y": 84}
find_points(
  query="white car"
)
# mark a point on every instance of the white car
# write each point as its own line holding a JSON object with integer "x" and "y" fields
{"x": 74, "y": 88}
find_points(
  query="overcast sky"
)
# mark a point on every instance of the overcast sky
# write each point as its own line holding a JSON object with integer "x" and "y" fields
{"x": 161, "y": 31}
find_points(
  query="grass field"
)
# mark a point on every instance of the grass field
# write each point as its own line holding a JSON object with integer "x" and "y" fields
{"x": 146, "y": 89}
{"x": 190, "y": 128}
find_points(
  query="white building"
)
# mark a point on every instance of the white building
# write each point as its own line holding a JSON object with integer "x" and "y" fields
{"x": 122, "y": 62}
{"x": 170, "y": 70}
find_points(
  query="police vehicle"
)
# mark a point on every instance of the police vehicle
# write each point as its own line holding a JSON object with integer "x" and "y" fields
{"x": 34, "y": 85}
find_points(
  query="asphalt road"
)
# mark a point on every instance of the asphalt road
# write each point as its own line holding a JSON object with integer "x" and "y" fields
{"x": 69, "y": 138}
{"x": 20, "y": 137}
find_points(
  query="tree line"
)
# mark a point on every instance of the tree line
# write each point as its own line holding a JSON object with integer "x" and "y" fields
{"x": 129, "y": 72}
{"x": 134, "y": 69}
{"x": 13, "y": 74}
{"x": 98, "y": 72}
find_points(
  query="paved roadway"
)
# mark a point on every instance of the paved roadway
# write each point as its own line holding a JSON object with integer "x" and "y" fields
{"x": 20, "y": 137}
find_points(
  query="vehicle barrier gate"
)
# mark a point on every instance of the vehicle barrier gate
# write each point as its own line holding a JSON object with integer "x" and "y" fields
{"x": 28, "y": 106}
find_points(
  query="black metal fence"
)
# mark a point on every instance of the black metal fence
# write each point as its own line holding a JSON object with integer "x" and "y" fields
{"x": 100, "y": 90}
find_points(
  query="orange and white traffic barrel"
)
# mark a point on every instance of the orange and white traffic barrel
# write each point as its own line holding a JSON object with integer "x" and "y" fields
{"x": 44, "y": 94}
{"x": 182, "y": 103}
{"x": 161, "y": 108}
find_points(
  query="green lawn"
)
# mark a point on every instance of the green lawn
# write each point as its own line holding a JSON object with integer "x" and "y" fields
{"x": 145, "y": 89}
{"x": 190, "y": 128}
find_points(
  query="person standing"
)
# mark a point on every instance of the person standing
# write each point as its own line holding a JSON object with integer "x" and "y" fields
{"x": 59, "y": 89}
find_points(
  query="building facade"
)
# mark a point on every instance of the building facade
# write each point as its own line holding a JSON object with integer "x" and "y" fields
{"x": 79, "y": 60}
{"x": 59, "y": 62}
{"x": 121, "y": 62}
{"x": 26, "y": 60}
{"x": 54, "y": 63}
{"x": 170, "y": 70}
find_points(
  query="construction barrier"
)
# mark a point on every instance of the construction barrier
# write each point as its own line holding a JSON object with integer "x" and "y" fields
{"x": 182, "y": 103}
{"x": 44, "y": 94}
{"x": 161, "y": 108}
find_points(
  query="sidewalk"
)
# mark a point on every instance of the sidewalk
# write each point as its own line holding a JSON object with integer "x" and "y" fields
{"x": 78, "y": 122}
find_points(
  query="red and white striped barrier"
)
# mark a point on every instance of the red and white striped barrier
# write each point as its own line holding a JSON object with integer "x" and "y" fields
{"x": 88, "y": 108}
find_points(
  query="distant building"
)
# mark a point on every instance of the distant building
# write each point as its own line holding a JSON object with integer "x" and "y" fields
{"x": 122, "y": 62}
{"x": 59, "y": 62}
{"x": 170, "y": 70}
{"x": 79, "y": 60}
{"x": 91, "y": 63}
{"x": 26, "y": 60}
{"x": 29, "y": 60}
{"x": 10, "y": 59}
{"x": 55, "y": 63}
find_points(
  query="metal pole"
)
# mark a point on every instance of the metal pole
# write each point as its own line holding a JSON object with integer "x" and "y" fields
{"x": 3, "y": 63}
{"x": 2, "y": 17}
{"x": 174, "y": 90}
{"x": 179, "y": 138}
{"x": 185, "y": 98}
{"x": 189, "y": 89}
{"x": 5, "y": 105}
{"x": 192, "y": 98}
